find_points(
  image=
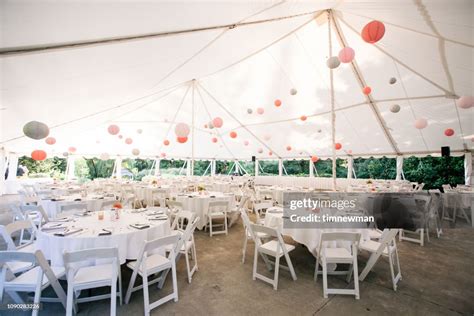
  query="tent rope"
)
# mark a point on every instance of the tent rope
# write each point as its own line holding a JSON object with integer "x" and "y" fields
{"x": 333, "y": 113}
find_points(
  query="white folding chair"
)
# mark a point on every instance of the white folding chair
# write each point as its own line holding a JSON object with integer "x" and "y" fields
{"x": 182, "y": 219}
{"x": 423, "y": 212}
{"x": 338, "y": 255}
{"x": 34, "y": 280}
{"x": 150, "y": 263}
{"x": 235, "y": 213}
{"x": 36, "y": 213}
{"x": 248, "y": 234}
{"x": 260, "y": 210}
{"x": 387, "y": 247}
{"x": 434, "y": 215}
{"x": 19, "y": 226}
{"x": 187, "y": 244}
{"x": 217, "y": 210}
{"x": 275, "y": 248}
{"x": 81, "y": 275}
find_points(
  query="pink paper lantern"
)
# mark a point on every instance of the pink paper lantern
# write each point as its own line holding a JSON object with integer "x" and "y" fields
{"x": 260, "y": 111}
{"x": 50, "y": 140}
{"x": 288, "y": 148}
{"x": 182, "y": 130}
{"x": 163, "y": 155}
{"x": 166, "y": 142}
{"x": 135, "y": 152}
{"x": 346, "y": 55}
{"x": 449, "y": 132}
{"x": 113, "y": 129}
{"x": 270, "y": 153}
{"x": 421, "y": 123}
{"x": 246, "y": 142}
{"x": 217, "y": 122}
{"x": 465, "y": 102}
{"x": 214, "y": 139}
{"x": 128, "y": 141}
{"x": 233, "y": 134}
{"x": 120, "y": 136}
{"x": 71, "y": 149}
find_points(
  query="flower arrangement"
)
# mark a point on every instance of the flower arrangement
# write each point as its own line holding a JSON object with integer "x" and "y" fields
{"x": 201, "y": 188}
{"x": 117, "y": 205}
{"x": 369, "y": 181}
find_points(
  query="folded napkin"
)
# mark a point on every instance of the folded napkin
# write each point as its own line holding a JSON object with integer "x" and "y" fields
{"x": 77, "y": 200}
{"x": 140, "y": 226}
{"x": 158, "y": 218}
{"x": 62, "y": 220}
{"x": 105, "y": 232}
{"x": 68, "y": 232}
{"x": 86, "y": 213}
{"x": 52, "y": 227}
{"x": 56, "y": 200}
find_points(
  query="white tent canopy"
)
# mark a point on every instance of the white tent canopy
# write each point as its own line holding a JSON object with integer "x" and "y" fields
{"x": 79, "y": 66}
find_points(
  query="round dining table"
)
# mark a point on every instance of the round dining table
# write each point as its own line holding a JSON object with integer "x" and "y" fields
{"x": 52, "y": 207}
{"x": 127, "y": 233}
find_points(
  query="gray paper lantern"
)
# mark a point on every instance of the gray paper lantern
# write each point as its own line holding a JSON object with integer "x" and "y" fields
{"x": 65, "y": 154}
{"x": 135, "y": 152}
{"x": 395, "y": 108}
{"x": 293, "y": 91}
{"x": 249, "y": 111}
{"x": 333, "y": 62}
{"x": 319, "y": 131}
{"x": 36, "y": 130}
{"x": 392, "y": 80}
{"x": 211, "y": 126}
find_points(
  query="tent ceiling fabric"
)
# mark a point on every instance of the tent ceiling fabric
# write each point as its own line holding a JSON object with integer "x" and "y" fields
{"x": 223, "y": 72}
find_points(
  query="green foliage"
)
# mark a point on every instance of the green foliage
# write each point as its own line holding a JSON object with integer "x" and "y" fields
{"x": 373, "y": 168}
{"x": 172, "y": 167}
{"x": 324, "y": 168}
{"x": 201, "y": 166}
{"x": 434, "y": 171}
{"x": 53, "y": 167}
{"x": 268, "y": 167}
{"x": 299, "y": 168}
{"x": 98, "y": 168}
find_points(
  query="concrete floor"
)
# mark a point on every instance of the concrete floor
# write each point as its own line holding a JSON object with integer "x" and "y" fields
{"x": 438, "y": 279}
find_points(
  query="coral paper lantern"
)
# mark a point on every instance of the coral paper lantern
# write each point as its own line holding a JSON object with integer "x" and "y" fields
{"x": 293, "y": 91}
{"x": 163, "y": 155}
{"x": 246, "y": 143}
{"x": 182, "y": 140}
{"x": 113, "y": 129}
{"x": 338, "y": 146}
{"x": 72, "y": 149}
{"x": 465, "y": 102}
{"x": 182, "y": 130}
{"x": 50, "y": 140}
{"x": 233, "y": 134}
{"x": 277, "y": 103}
{"x": 260, "y": 111}
{"x": 38, "y": 155}
{"x": 217, "y": 122}
{"x": 346, "y": 55}
{"x": 36, "y": 130}
{"x": 128, "y": 141}
{"x": 373, "y": 32}
{"x": 214, "y": 139}
{"x": 314, "y": 158}
{"x": 367, "y": 90}
{"x": 333, "y": 62}
{"x": 135, "y": 152}
{"x": 421, "y": 123}
{"x": 449, "y": 132}
{"x": 166, "y": 142}
{"x": 303, "y": 118}
{"x": 288, "y": 148}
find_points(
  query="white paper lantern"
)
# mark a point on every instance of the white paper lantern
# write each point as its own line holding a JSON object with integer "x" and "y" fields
{"x": 135, "y": 152}
{"x": 36, "y": 130}
{"x": 333, "y": 62}
{"x": 395, "y": 108}
{"x": 465, "y": 102}
{"x": 421, "y": 123}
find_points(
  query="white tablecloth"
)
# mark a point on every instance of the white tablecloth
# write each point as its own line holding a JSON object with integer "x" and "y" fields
{"x": 52, "y": 208}
{"x": 128, "y": 240}
{"x": 307, "y": 236}
{"x": 199, "y": 204}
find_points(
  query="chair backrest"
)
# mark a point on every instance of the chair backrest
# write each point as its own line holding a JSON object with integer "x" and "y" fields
{"x": 425, "y": 200}
{"x": 353, "y": 238}
{"x": 246, "y": 222}
{"x": 243, "y": 200}
{"x": 218, "y": 206}
{"x": 87, "y": 254}
{"x": 271, "y": 232}
{"x": 16, "y": 256}
{"x": 20, "y": 225}
{"x": 182, "y": 219}
{"x": 262, "y": 206}
{"x": 26, "y": 209}
{"x": 7, "y": 238}
{"x": 148, "y": 246}
{"x": 387, "y": 237}
{"x": 174, "y": 204}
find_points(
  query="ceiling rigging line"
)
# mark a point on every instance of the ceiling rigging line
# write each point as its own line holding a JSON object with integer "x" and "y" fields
{"x": 317, "y": 14}
{"x": 210, "y": 119}
{"x": 237, "y": 120}
{"x": 170, "y": 125}
{"x": 323, "y": 79}
{"x": 14, "y": 51}
{"x": 448, "y": 93}
{"x": 441, "y": 42}
{"x": 100, "y": 112}
{"x": 460, "y": 126}
{"x": 359, "y": 77}
{"x": 333, "y": 113}
{"x": 410, "y": 29}
{"x": 209, "y": 44}
{"x": 282, "y": 70}
{"x": 409, "y": 103}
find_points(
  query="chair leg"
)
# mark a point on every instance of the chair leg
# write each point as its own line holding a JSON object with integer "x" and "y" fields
{"x": 146, "y": 297}
{"x": 69, "y": 300}
{"x": 113, "y": 298}
{"x": 255, "y": 263}
{"x": 356, "y": 278}
{"x": 130, "y": 286}
{"x": 225, "y": 222}
{"x": 392, "y": 274}
{"x": 37, "y": 298}
{"x": 244, "y": 247}
{"x": 290, "y": 266}
{"x": 316, "y": 270}
{"x": 186, "y": 256}
{"x": 195, "y": 258}
{"x": 325, "y": 278}
{"x": 277, "y": 270}
{"x": 120, "y": 286}
{"x": 422, "y": 236}
{"x": 175, "y": 280}
{"x": 210, "y": 226}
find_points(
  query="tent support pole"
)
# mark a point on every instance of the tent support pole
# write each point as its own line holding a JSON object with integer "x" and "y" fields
{"x": 256, "y": 167}
{"x": 280, "y": 167}
{"x": 468, "y": 164}
{"x": 399, "y": 168}
{"x": 350, "y": 167}
{"x": 213, "y": 168}
{"x": 311, "y": 169}
{"x": 192, "y": 129}
{"x": 333, "y": 113}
